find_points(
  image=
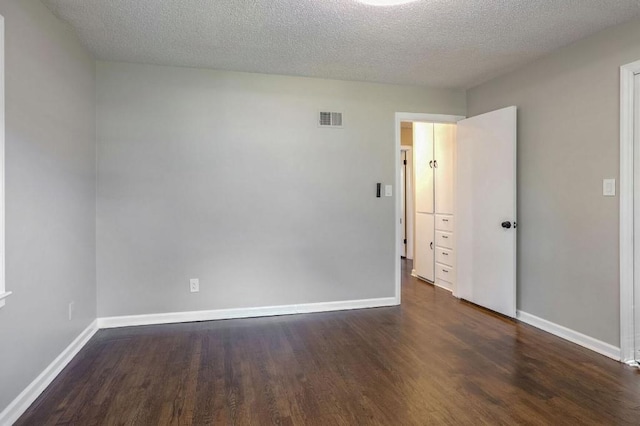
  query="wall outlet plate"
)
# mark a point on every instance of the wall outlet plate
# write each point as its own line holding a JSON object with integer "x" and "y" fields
{"x": 194, "y": 285}
{"x": 71, "y": 309}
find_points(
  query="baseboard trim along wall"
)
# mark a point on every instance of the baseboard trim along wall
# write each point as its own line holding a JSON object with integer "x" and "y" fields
{"x": 23, "y": 401}
{"x": 573, "y": 336}
{"x": 221, "y": 314}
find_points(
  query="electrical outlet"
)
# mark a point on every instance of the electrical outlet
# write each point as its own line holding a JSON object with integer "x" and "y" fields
{"x": 194, "y": 285}
{"x": 71, "y": 309}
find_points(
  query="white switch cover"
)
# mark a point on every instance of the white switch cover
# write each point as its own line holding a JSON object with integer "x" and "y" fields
{"x": 388, "y": 191}
{"x": 194, "y": 285}
{"x": 609, "y": 187}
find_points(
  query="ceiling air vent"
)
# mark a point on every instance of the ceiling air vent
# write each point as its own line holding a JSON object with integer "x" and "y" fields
{"x": 330, "y": 119}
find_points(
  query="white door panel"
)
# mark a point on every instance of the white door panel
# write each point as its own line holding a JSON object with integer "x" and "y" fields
{"x": 423, "y": 257}
{"x": 485, "y": 198}
{"x": 423, "y": 166}
{"x": 444, "y": 141}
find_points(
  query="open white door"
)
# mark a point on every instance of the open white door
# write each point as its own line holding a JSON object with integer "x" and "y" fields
{"x": 486, "y": 210}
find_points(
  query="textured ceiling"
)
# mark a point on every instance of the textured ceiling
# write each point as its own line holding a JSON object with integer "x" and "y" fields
{"x": 440, "y": 43}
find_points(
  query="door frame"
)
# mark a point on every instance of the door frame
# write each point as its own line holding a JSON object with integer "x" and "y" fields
{"x": 629, "y": 144}
{"x": 408, "y": 195}
{"x": 399, "y": 118}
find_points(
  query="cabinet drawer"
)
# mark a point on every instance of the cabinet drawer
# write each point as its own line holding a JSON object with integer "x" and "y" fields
{"x": 444, "y": 239}
{"x": 444, "y": 223}
{"x": 445, "y": 273}
{"x": 444, "y": 256}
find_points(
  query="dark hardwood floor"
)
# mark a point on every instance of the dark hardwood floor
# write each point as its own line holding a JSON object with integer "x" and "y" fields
{"x": 434, "y": 360}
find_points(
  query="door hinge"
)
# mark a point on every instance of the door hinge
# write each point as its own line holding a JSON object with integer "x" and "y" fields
{"x": 405, "y": 241}
{"x": 405, "y": 162}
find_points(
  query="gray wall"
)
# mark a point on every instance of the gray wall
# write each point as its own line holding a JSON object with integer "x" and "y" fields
{"x": 227, "y": 178}
{"x": 568, "y": 141}
{"x": 50, "y": 193}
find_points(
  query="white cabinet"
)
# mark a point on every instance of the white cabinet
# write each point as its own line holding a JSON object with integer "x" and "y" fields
{"x": 434, "y": 165}
{"x": 444, "y": 151}
{"x": 445, "y": 256}
{"x": 445, "y": 252}
{"x": 423, "y": 166}
{"x": 444, "y": 239}
{"x": 444, "y": 276}
{"x": 423, "y": 254}
{"x": 444, "y": 222}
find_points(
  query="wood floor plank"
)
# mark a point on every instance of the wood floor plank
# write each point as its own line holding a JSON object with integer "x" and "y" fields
{"x": 434, "y": 360}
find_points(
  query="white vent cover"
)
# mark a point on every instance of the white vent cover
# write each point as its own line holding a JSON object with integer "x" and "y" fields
{"x": 330, "y": 119}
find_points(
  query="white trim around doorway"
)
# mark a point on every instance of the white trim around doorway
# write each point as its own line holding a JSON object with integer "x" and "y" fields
{"x": 628, "y": 147}
{"x": 412, "y": 117}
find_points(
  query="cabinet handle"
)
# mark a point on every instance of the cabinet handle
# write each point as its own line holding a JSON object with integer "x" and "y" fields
{"x": 435, "y": 164}
{"x": 444, "y": 253}
{"x": 431, "y": 245}
{"x": 445, "y": 271}
{"x": 445, "y": 220}
{"x": 431, "y": 164}
{"x": 445, "y": 237}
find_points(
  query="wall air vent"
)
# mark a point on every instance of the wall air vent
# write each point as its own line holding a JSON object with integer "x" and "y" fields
{"x": 330, "y": 119}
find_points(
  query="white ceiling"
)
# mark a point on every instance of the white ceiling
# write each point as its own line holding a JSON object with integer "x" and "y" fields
{"x": 440, "y": 43}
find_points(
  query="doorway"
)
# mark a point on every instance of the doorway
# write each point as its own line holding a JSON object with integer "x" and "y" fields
{"x": 473, "y": 255}
{"x": 406, "y": 206}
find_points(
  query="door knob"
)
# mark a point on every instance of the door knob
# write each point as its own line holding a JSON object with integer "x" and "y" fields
{"x": 506, "y": 224}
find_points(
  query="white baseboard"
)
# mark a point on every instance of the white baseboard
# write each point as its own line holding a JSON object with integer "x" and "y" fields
{"x": 443, "y": 285}
{"x": 23, "y": 401}
{"x": 413, "y": 274}
{"x": 573, "y": 336}
{"x": 219, "y": 314}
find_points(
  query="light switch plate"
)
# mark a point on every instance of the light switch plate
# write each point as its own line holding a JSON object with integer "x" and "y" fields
{"x": 609, "y": 187}
{"x": 388, "y": 191}
{"x": 194, "y": 285}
